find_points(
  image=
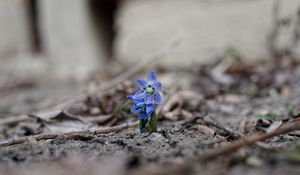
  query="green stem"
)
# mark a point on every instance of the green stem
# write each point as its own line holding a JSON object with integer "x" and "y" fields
{"x": 149, "y": 126}
{"x": 143, "y": 126}
{"x": 152, "y": 123}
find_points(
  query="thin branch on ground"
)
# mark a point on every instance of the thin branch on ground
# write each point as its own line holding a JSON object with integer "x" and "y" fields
{"x": 14, "y": 119}
{"x": 68, "y": 134}
{"x": 289, "y": 127}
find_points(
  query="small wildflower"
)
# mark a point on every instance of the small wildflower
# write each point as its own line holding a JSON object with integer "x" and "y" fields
{"x": 149, "y": 90}
{"x": 140, "y": 108}
{"x": 144, "y": 102}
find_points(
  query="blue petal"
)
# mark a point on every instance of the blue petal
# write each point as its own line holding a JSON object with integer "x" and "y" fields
{"x": 157, "y": 86}
{"x": 149, "y": 108}
{"x": 149, "y": 99}
{"x": 142, "y": 116}
{"x": 139, "y": 94}
{"x": 141, "y": 84}
{"x": 130, "y": 97}
{"x": 152, "y": 77}
{"x": 157, "y": 98}
{"x": 133, "y": 109}
{"x": 137, "y": 100}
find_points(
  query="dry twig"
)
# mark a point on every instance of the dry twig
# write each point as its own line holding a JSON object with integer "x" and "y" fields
{"x": 289, "y": 127}
{"x": 68, "y": 134}
{"x": 13, "y": 120}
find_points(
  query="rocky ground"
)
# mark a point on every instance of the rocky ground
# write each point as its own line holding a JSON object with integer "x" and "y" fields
{"x": 205, "y": 109}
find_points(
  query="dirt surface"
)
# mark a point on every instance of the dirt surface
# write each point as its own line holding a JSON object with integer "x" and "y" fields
{"x": 205, "y": 113}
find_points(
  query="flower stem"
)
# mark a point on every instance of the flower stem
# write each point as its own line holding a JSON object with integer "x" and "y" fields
{"x": 143, "y": 126}
{"x": 149, "y": 126}
{"x": 152, "y": 123}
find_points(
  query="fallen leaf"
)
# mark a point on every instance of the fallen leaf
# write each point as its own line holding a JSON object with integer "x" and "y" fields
{"x": 46, "y": 116}
{"x": 187, "y": 114}
{"x": 66, "y": 126}
{"x": 206, "y": 130}
{"x": 61, "y": 121}
{"x": 97, "y": 119}
{"x": 57, "y": 116}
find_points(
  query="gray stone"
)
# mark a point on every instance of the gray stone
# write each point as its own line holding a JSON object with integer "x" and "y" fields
{"x": 70, "y": 40}
{"x": 206, "y": 27}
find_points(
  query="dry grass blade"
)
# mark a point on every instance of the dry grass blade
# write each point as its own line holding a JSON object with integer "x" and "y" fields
{"x": 242, "y": 125}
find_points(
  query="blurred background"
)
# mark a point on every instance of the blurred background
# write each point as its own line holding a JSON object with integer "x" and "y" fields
{"x": 74, "y": 38}
{"x": 43, "y": 42}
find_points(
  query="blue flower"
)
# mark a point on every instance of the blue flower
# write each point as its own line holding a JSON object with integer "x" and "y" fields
{"x": 149, "y": 90}
{"x": 147, "y": 96}
{"x": 140, "y": 108}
